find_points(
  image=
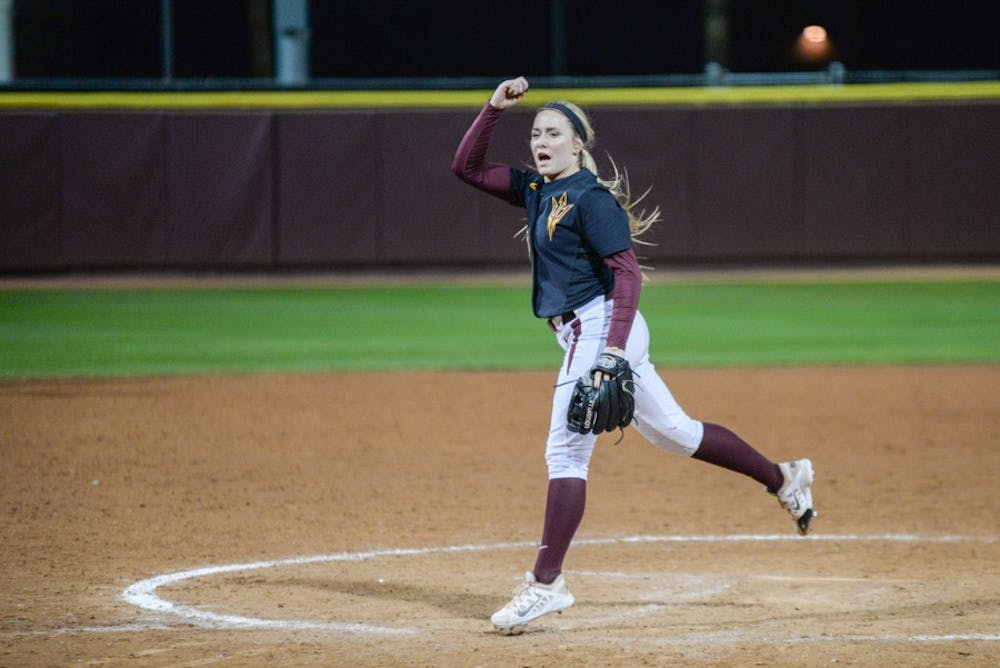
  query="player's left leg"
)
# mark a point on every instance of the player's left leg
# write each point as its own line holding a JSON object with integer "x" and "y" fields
{"x": 662, "y": 421}
{"x": 659, "y": 418}
{"x": 791, "y": 481}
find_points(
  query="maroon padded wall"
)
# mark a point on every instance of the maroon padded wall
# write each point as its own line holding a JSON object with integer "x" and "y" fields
{"x": 371, "y": 189}
{"x": 29, "y": 191}
{"x": 747, "y": 183}
{"x": 953, "y": 173}
{"x": 854, "y": 186}
{"x": 111, "y": 186}
{"x": 327, "y": 201}
{"x": 219, "y": 200}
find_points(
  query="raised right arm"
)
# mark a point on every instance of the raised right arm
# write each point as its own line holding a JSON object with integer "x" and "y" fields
{"x": 470, "y": 162}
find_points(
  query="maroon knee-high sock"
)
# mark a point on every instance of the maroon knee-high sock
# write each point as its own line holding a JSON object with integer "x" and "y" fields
{"x": 723, "y": 448}
{"x": 563, "y": 512}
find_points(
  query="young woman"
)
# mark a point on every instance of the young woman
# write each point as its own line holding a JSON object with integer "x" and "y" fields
{"x": 586, "y": 283}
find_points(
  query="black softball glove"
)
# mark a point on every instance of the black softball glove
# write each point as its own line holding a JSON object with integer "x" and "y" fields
{"x": 608, "y": 406}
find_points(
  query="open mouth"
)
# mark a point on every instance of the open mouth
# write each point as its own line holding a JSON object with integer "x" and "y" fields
{"x": 542, "y": 157}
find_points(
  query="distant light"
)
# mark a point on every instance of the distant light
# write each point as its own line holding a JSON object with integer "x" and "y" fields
{"x": 814, "y": 34}
{"x": 813, "y": 46}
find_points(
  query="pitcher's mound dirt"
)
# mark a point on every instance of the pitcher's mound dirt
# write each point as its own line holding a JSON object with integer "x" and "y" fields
{"x": 425, "y": 493}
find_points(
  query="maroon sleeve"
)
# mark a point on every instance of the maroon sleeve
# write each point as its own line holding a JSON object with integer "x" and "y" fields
{"x": 470, "y": 162}
{"x": 628, "y": 283}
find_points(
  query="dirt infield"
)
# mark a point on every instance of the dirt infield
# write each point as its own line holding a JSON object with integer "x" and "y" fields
{"x": 378, "y": 519}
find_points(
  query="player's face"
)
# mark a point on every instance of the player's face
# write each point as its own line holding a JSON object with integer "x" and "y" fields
{"x": 554, "y": 145}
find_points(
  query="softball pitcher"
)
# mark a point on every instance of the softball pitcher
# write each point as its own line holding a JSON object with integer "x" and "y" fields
{"x": 586, "y": 284}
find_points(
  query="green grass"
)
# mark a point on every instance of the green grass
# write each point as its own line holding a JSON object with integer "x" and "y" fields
{"x": 815, "y": 323}
{"x": 120, "y": 332}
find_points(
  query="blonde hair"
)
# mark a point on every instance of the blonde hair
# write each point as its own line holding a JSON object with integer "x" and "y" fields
{"x": 618, "y": 185}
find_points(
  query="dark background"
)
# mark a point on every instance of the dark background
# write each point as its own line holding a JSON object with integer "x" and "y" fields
{"x": 447, "y": 38}
{"x": 272, "y": 189}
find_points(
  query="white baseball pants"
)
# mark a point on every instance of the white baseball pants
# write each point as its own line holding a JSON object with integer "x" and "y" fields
{"x": 659, "y": 417}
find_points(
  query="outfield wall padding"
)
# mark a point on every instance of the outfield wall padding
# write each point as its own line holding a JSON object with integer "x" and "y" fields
{"x": 275, "y": 189}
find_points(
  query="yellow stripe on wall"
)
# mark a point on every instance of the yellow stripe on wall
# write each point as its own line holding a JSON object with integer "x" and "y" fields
{"x": 409, "y": 99}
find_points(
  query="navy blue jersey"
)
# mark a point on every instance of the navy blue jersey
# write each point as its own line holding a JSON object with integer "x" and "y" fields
{"x": 573, "y": 223}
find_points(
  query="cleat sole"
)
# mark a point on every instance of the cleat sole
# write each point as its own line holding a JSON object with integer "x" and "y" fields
{"x": 803, "y": 522}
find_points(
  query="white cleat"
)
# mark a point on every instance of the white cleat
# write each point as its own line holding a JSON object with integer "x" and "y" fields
{"x": 795, "y": 494}
{"x": 531, "y": 600}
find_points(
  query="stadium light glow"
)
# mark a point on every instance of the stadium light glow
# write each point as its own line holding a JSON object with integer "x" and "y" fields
{"x": 814, "y": 34}
{"x": 813, "y": 45}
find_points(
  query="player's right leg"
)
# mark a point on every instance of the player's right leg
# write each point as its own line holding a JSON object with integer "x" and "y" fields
{"x": 567, "y": 457}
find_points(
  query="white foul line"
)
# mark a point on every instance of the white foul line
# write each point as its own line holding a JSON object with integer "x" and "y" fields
{"x": 143, "y": 593}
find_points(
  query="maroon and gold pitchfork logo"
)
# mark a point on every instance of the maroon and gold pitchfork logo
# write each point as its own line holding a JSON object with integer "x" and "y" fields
{"x": 559, "y": 209}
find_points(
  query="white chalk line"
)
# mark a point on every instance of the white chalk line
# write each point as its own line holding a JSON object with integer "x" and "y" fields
{"x": 718, "y": 637}
{"x": 143, "y": 593}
